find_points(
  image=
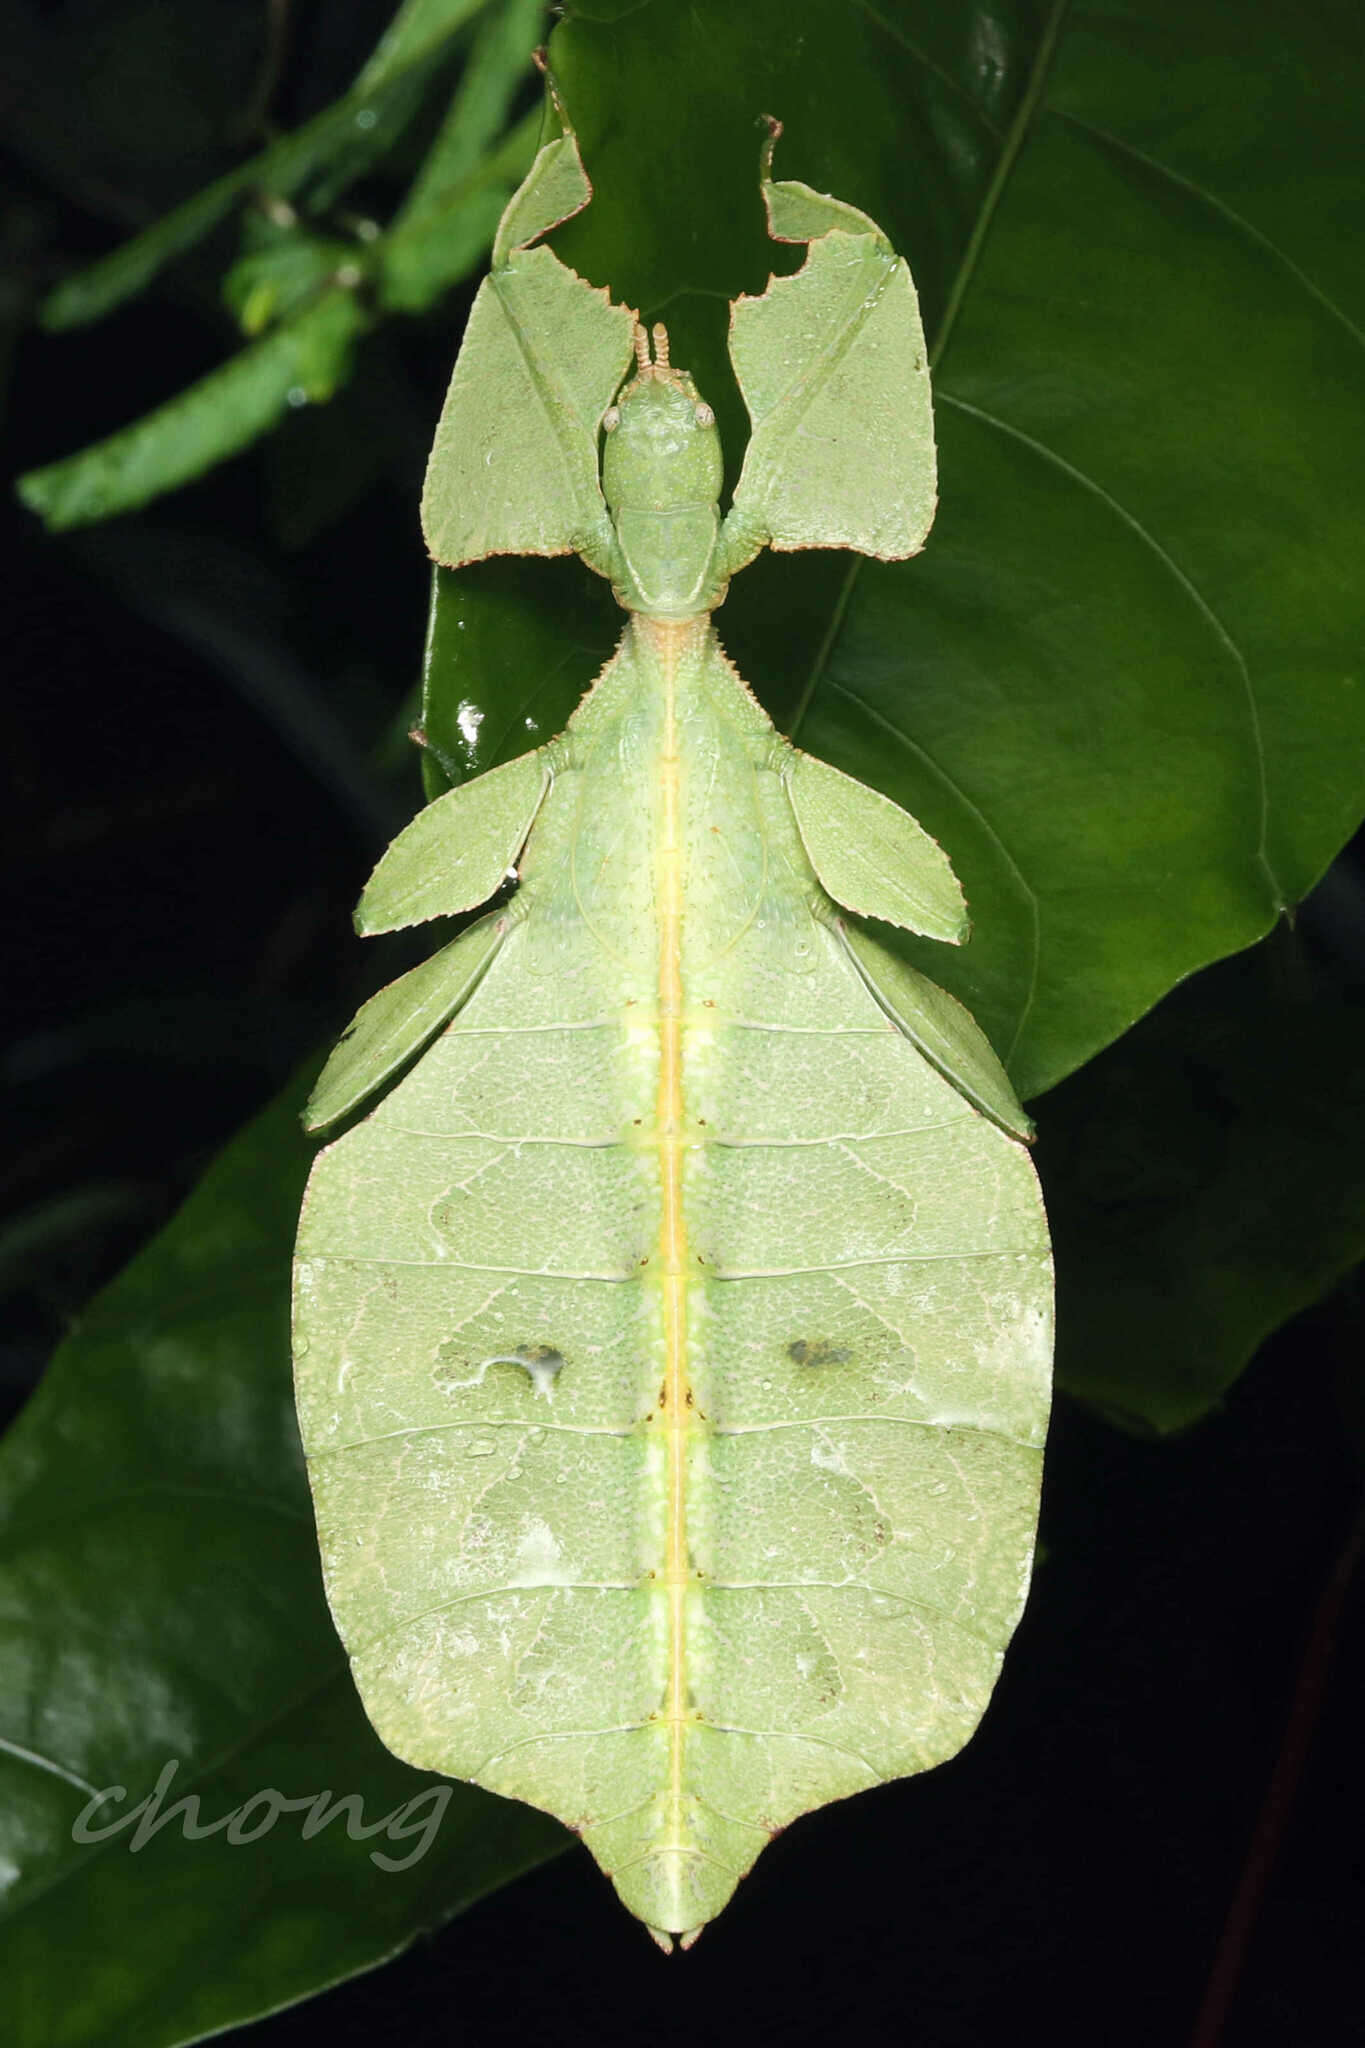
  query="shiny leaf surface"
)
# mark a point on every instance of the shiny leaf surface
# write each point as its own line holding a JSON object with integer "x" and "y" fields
{"x": 1121, "y": 682}
{"x": 1206, "y": 1180}
{"x": 161, "y": 1606}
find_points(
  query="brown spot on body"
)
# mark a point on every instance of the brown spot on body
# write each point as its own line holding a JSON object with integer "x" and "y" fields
{"x": 816, "y": 1351}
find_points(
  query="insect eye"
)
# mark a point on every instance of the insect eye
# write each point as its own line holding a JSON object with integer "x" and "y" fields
{"x": 611, "y": 419}
{"x": 704, "y": 416}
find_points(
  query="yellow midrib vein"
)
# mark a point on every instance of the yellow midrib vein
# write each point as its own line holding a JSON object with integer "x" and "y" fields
{"x": 673, "y": 1222}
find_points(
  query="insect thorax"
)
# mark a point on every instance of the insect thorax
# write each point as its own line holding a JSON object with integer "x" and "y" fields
{"x": 661, "y": 476}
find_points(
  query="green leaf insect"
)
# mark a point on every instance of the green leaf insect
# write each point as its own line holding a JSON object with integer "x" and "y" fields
{"x": 673, "y": 1340}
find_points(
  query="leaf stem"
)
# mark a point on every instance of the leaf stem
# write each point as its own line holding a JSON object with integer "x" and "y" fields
{"x": 1013, "y": 143}
{"x": 830, "y": 635}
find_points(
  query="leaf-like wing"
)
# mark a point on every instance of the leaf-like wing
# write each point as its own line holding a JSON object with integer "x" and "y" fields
{"x": 871, "y": 855}
{"x": 947, "y": 1034}
{"x": 391, "y": 1026}
{"x": 456, "y": 852}
{"x": 514, "y": 467}
{"x": 834, "y": 371}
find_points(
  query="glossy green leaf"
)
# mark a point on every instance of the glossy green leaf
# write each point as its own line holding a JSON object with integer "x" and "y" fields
{"x": 487, "y": 628}
{"x": 1122, "y": 683}
{"x": 416, "y": 40}
{"x": 300, "y": 362}
{"x": 162, "y": 1605}
{"x": 1206, "y": 1181}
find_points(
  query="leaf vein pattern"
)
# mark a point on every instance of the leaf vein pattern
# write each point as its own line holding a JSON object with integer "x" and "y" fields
{"x": 311, "y": 1691}
{"x": 506, "y": 1139}
{"x": 1014, "y": 141}
{"x": 906, "y": 1421}
{"x": 844, "y": 1139}
{"x": 555, "y": 1735}
{"x": 1004, "y": 1251}
{"x": 1162, "y": 554}
{"x": 411, "y": 1621}
{"x": 896, "y": 34}
{"x": 908, "y": 1600}
{"x": 800, "y": 1735}
{"x": 679, "y": 1849}
{"x": 467, "y": 1266}
{"x": 364, "y": 1443}
{"x": 46, "y": 1764}
{"x": 1237, "y": 221}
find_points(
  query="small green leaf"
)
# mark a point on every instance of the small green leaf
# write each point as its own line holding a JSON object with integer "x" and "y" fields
{"x": 163, "y": 1605}
{"x": 282, "y": 269}
{"x": 300, "y": 363}
{"x": 452, "y": 209}
{"x": 415, "y": 42}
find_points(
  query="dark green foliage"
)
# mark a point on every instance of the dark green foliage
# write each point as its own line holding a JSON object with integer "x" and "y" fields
{"x": 306, "y": 292}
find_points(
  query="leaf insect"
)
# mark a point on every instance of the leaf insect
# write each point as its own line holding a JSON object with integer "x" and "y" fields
{"x": 673, "y": 1340}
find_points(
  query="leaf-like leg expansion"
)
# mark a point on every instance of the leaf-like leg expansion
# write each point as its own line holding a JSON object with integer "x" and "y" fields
{"x": 455, "y": 853}
{"x": 514, "y": 466}
{"x": 833, "y": 368}
{"x": 392, "y": 1025}
{"x": 872, "y": 856}
{"x": 937, "y": 1024}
